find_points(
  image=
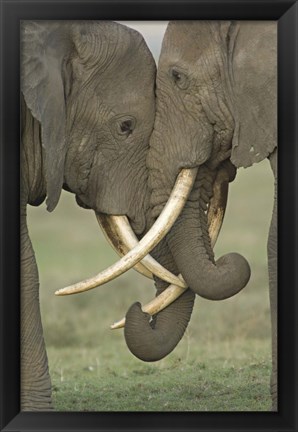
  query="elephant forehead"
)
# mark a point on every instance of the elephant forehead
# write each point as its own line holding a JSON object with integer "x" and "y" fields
{"x": 109, "y": 46}
{"x": 188, "y": 40}
{"x": 130, "y": 89}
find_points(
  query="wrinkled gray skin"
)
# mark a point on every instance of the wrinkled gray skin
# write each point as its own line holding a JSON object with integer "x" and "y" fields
{"x": 216, "y": 106}
{"x": 88, "y": 109}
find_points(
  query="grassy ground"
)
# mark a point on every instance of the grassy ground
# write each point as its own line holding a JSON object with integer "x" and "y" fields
{"x": 223, "y": 361}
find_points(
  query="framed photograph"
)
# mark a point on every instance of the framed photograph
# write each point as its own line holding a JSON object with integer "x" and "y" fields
{"x": 134, "y": 135}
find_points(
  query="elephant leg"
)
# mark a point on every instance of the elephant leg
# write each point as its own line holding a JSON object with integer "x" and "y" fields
{"x": 272, "y": 267}
{"x": 35, "y": 378}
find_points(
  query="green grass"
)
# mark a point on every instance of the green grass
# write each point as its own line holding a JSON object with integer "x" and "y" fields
{"x": 223, "y": 361}
{"x": 203, "y": 379}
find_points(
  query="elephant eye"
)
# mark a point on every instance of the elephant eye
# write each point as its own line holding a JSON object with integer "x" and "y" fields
{"x": 124, "y": 126}
{"x": 180, "y": 79}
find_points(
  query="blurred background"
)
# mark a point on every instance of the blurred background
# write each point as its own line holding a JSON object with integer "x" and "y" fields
{"x": 223, "y": 361}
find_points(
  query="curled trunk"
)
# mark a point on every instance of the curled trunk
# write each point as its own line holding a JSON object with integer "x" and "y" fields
{"x": 187, "y": 250}
{"x": 152, "y": 338}
{"x": 190, "y": 246}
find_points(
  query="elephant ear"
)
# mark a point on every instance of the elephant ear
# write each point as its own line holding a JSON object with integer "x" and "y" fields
{"x": 43, "y": 49}
{"x": 254, "y": 78}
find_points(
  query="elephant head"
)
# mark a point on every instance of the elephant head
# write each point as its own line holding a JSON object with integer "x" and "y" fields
{"x": 88, "y": 108}
{"x": 90, "y": 86}
{"x": 216, "y": 110}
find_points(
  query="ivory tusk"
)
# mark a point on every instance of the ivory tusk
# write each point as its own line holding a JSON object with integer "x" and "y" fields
{"x": 118, "y": 229}
{"x": 160, "y": 228}
{"x": 116, "y": 241}
{"x": 215, "y": 216}
{"x": 218, "y": 203}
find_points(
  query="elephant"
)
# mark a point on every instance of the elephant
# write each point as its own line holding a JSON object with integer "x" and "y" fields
{"x": 216, "y": 111}
{"x": 87, "y": 112}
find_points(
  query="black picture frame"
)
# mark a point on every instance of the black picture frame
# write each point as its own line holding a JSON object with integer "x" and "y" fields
{"x": 286, "y": 12}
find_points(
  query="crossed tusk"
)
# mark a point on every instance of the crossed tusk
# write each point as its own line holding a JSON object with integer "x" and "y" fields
{"x": 161, "y": 227}
{"x": 110, "y": 229}
{"x": 215, "y": 216}
{"x": 122, "y": 237}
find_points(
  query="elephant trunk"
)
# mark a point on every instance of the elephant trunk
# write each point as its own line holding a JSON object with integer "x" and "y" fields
{"x": 190, "y": 246}
{"x": 35, "y": 378}
{"x": 152, "y": 338}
